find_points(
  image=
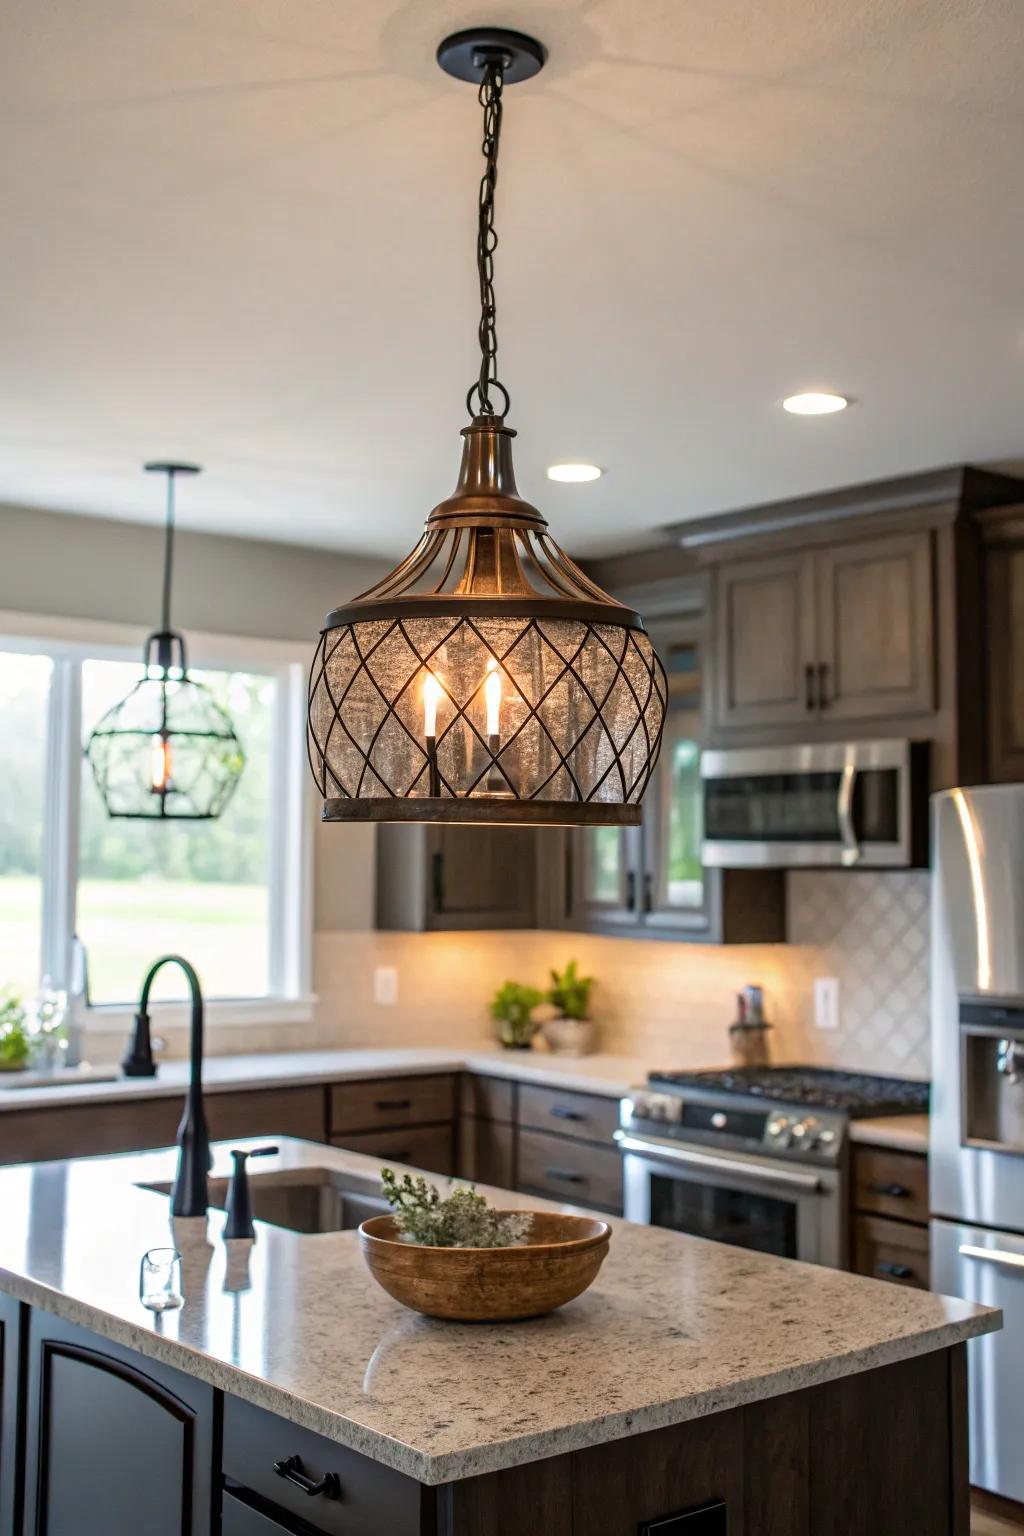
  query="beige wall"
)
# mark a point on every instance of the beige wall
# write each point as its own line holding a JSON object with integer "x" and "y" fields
{"x": 98, "y": 569}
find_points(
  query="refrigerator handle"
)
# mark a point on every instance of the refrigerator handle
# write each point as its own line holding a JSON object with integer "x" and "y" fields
{"x": 992, "y": 1256}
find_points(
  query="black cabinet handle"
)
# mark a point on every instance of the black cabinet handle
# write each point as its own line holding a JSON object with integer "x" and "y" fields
{"x": 810, "y": 703}
{"x": 631, "y": 891}
{"x": 897, "y": 1271}
{"x": 893, "y": 1191}
{"x": 437, "y": 876}
{"x": 648, "y": 892}
{"x": 392, "y": 1103}
{"x": 564, "y": 1176}
{"x": 563, "y": 1112}
{"x": 823, "y": 699}
{"x": 291, "y": 1470}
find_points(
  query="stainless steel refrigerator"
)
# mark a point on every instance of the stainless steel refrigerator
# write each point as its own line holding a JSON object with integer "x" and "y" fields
{"x": 977, "y": 1125}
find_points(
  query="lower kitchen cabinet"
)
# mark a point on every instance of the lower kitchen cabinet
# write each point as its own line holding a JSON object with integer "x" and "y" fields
{"x": 11, "y": 1313}
{"x": 890, "y": 1215}
{"x": 430, "y": 1147}
{"x": 115, "y": 1443}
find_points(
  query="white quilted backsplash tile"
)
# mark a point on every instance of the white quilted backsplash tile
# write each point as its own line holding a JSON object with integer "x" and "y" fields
{"x": 870, "y": 931}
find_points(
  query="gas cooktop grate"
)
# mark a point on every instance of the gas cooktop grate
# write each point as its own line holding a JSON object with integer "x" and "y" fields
{"x": 859, "y": 1094}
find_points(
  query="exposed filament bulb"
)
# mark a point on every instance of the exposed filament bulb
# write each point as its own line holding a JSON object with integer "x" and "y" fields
{"x": 160, "y": 765}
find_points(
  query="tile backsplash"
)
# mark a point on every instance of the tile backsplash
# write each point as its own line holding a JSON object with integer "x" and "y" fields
{"x": 871, "y": 931}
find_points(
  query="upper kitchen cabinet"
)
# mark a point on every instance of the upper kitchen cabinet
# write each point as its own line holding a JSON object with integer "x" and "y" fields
{"x": 433, "y": 878}
{"x": 1003, "y": 561}
{"x": 846, "y": 632}
{"x": 649, "y": 881}
{"x": 764, "y": 640}
{"x": 861, "y": 613}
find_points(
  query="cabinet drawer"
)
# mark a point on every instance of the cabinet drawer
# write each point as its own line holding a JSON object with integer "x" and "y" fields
{"x": 390, "y": 1101}
{"x": 241, "y": 1519}
{"x": 424, "y": 1146}
{"x": 489, "y": 1098}
{"x": 890, "y": 1183}
{"x": 570, "y": 1170}
{"x": 891, "y": 1250}
{"x": 587, "y": 1116}
{"x": 375, "y": 1501}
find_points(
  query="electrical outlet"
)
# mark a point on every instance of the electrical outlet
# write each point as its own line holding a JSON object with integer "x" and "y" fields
{"x": 385, "y": 985}
{"x": 826, "y": 1002}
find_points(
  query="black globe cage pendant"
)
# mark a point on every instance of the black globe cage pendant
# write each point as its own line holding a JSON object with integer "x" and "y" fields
{"x": 487, "y": 678}
{"x": 167, "y": 751}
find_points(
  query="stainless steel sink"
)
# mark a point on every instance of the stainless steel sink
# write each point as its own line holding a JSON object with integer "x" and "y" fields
{"x": 303, "y": 1199}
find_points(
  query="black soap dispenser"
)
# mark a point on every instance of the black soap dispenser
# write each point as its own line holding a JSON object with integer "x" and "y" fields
{"x": 238, "y": 1205}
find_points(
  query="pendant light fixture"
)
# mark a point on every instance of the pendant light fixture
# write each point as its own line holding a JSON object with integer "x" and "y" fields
{"x": 167, "y": 751}
{"x": 486, "y": 679}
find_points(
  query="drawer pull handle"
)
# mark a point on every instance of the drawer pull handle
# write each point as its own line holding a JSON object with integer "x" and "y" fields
{"x": 893, "y": 1191}
{"x": 896, "y": 1271}
{"x": 392, "y": 1104}
{"x": 291, "y": 1470}
{"x": 564, "y": 1176}
{"x": 563, "y": 1112}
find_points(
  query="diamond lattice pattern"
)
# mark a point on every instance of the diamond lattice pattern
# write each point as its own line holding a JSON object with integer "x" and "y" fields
{"x": 580, "y": 714}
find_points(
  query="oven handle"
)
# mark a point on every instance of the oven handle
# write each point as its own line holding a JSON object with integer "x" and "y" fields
{"x": 844, "y": 813}
{"x": 992, "y": 1256}
{"x": 782, "y": 1178}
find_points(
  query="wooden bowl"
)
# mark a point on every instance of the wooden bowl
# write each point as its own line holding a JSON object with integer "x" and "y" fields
{"x": 489, "y": 1285}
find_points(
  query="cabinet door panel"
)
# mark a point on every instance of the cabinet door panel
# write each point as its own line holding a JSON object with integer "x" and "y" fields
{"x": 486, "y": 1152}
{"x": 764, "y": 629}
{"x": 10, "y": 1471}
{"x": 430, "y": 1147}
{"x": 116, "y": 1442}
{"x": 876, "y": 630}
{"x": 483, "y": 877}
{"x": 1005, "y": 627}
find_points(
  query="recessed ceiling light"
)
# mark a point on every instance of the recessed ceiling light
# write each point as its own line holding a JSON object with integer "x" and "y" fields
{"x": 574, "y": 472}
{"x": 814, "y": 403}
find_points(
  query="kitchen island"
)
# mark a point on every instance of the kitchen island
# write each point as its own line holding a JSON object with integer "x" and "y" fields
{"x": 290, "y": 1394}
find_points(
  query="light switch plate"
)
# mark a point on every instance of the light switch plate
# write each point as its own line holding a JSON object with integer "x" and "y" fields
{"x": 826, "y": 1002}
{"x": 385, "y": 985}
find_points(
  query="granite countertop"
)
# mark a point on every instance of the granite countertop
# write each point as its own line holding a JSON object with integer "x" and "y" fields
{"x": 608, "y": 1075}
{"x": 674, "y": 1327}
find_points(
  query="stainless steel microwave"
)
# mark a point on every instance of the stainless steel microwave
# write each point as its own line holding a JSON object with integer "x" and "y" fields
{"x": 861, "y": 804}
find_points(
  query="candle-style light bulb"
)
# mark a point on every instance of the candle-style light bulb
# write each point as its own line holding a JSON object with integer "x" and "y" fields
{"x": 160, "y": 765}
{"x": 432, "y": 696}
{"x": 492, "y": 695}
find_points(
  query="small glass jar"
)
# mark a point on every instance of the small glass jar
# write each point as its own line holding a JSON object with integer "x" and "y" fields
{"x": 160, "y": 1280}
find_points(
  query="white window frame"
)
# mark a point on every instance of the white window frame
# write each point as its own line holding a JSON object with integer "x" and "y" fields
{"x": 69, "y": 643}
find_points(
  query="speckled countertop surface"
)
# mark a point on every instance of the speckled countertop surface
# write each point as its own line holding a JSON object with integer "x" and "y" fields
{"x": 674, "y": 1327}
{"x": 611, "y": 1076}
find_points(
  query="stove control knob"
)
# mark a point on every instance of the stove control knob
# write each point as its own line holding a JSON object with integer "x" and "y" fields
{"x": 827, "y": 1139}
{"x": 780, "y": 1129}
{"x": 719, "y": 1120}
{"x": 806, "y": 1133}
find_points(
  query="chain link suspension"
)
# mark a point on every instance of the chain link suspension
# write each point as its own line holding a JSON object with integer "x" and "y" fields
{"x": 488, "y": 383}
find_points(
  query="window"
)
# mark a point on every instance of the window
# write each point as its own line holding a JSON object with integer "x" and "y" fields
{"x": 230, "y": 895}
{"x": 24, "y": 696}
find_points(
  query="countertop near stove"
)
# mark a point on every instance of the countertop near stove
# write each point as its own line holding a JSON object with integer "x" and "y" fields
{"x": 675, "y": 1328}
{"x": 611, "y": 1076}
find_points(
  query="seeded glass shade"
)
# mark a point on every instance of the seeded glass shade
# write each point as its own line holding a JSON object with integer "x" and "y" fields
{"x": 487, "y": 678}
{"x": 167, "y": 750}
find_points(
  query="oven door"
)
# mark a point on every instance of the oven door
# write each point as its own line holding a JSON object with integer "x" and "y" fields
{"x": 827, "y": 803}
{"x": 752, "y": 1202}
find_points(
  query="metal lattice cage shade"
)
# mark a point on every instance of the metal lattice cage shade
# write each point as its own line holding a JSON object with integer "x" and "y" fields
{"x": 167, "y": 750}
{"x": 581, "y": 708}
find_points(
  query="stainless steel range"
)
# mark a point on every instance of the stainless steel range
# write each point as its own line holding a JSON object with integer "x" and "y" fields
{"x": 755, "y": 1156}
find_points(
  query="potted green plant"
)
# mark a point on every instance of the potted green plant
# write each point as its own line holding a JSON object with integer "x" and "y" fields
{"x": 571, "y": 1031}
{"x": 15, "y": 1046}
{"x": 512, "y": 1009}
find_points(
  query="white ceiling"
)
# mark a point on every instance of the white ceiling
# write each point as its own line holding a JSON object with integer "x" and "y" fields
{"x": 244, "y": 233}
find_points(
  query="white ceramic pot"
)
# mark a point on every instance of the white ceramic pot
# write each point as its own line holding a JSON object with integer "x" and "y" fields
{"x": 569, "y": 1037}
